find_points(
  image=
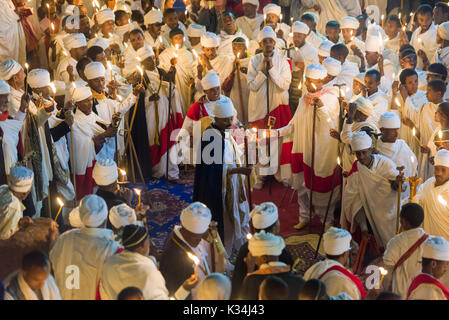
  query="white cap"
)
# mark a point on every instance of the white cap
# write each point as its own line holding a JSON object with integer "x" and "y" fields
{"x": 152, "y": 17}
{"x": 316, "y": 71}
{"x": 349, "y": 23}
{"x": 81, "y": 93}
{"x": 266, "y": 32}
{"x": 210, "y": 40}
{"x": 264, "y": 215}
{"x": 104, "y": 16}
{"x": 74, "y": 218}
{"x": 389, "y": 120}
{"x": 265, "y": 244}
{"x": 9, "y": 68}
{"x": 253, "y": 2}
{"x": 360, "y": 141}
{"x": 4, "y": 87}
{"x": 94, "y": 70}
{"x": 442, "y": 158}
{"x": 272, "y": 8}
{"x": 122, "y": 215}
{"x": 315, "y": 15}
{"x": 436, "y": 248}
{"x": 196, "y": 218}
{"x": 333, "y": 66}
{"x": 222, "y": 108}
{"x": 210, "y": 80}
{"x": 60, "y": 87}
{"x": 364, "y": 106}
{"x": 195, "y": 30}
{"x": 122, "y": 5}
{"x": 145, "y": 52}
{"x": 300, "y": 27}
{"x": 74, "y": 40}
{"x": 93, "y": 211}
{"x": 324, "y": 49}
{"x": 20, "y": 179}
{"x": 38, "y": 78}
{"x": 443, "y": 30}
{"x": 336, "y": 241}
{"x": 373, "y": 44}
{"x": 105, "y": 172}
{"x": 99, "y": 42}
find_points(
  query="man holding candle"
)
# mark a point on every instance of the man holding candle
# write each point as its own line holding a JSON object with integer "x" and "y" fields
{"x": 371, "y": 90}
{"x": 153, "y": 22}
{"x": 349, "y": 27}
{"x": 194, "y": 33}
{"x": 376, "y": 61}
{"x": 251, "y": 20}
{"x": 76, "y": 45}
{"x": 228, "y": 33}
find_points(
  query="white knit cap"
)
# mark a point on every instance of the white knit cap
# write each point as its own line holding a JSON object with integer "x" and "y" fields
{"x": 9, "y": 68}
{"x": 20, "y": 179}
{"x": 266, "y": 32}
{"x": 272, "y": 8}
{"x": 253, "y": 2}
{"x": 336, "y": 241}
{"x": 38, "y": 78}
{"x": 222, "y": 108}
{"x": 145, "y": 52}
{"x": 324, "y": 49}
{"x": 104, "y": 16}
{"x": 364, "y": 106}
{"x": 93, "y": 211}
{"x": 152, "y": 17}
{"x": 333, "y": 66}
{"x": 81, "y": 93}
{"x": 94, "y": 70}
{"x": 372, "y": 44}
{"x": 4, "y": 87}
{"x": 196, "y": 218}
{"x": 442, "y": 158}
{"x": 60, "y": 87}
{"x": 316, "y": 71}
{"x": 105, "y": 172}
{"x": 265, "y": 244}
{"x": 195, "y": 30}
{"x": 122, "y": 215}
{"x": 74, "y": 218}
{"x": 436, "y": 248}
{"x": 264, "y": 215}
{"x": 210, "y": 40}
{"x": 443, "y": 30}
{"x": 210, "y": 80}
{"x": 349, "y": 23}
{"x": 389, "y": 120}
{"x": 300, "y": 27}
{"x": 360, "y": 141}
{"x": 98, "y": 42}
{"x": 74, "y": 40}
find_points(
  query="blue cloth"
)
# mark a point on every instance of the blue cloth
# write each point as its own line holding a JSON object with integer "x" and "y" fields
{"x": 179, "y": 6}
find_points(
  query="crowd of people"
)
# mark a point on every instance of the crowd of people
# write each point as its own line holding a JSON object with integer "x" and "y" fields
{"x": 346, "y": 103}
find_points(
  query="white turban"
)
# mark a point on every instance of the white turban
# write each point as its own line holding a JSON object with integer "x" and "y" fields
{"x": 349, "y": 23}
{"x": 436, "y": 248}
{"x": 94, "y": 70}
{"x": 93, "y": 211}
{"x": 210, "y": 80}
{"x": 324, "y": 49}
{"x": 196, "y": 218}
{"x": 336, "y": 241}
{"x": 253, "y": 2}
{"x": 74, "y": 40}
{"x": 38, "y": 78}
{"x": 98, "y": 42}
{"x": 442, "y": 158}
{"x": 20, "y": 179}
{"x": 264, "y": 215}
{"x": 316, "y": 71}
{"x": 195, "y": 30}
{"x": 300, "y": 27}
{"x": 389, "y": 120}
{"x": 105, "y": 15}
{"x": 145, "y": 52}
{"x": 265, "y": 244}
{"x": 152, "y": 17}
{"x": 222, "y": 108}
{"x": 443, "y": 30}
{"x": 122, "y": 215}
{"x": 60, "y": 87}
{"x": 4, "y": 87}
{"x": 332, "y": 66}
{"x": 122, "y": 5}
{"x": 210, "y": 40}
{"x": 372, "y": 44}
{"x": 266, "y": 32}
{"x": 9, "y": 68}
{"x": 364, "y": 106}
{"x": 74, "y": 218}
{"x": 272, "y": 8}
{"x": 81, "y": 93}
{"x": 105, "y": 172}
{"x": 360, "y": 141}
{"x": 215, "y": 286}
{"x": 315, "y": 15}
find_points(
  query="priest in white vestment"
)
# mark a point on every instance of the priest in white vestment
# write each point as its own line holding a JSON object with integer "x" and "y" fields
{"x": 12, "y": 36}
{"x": 77, "y": 48}
{"x": 250, "y": 20}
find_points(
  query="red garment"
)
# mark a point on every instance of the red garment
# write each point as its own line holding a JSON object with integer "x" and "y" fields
{"x": 197, "y": 111}
{"x": 236, "y": 8}
{"x": 30, "y": 34}
{"x": 353, "y": 278}
{"x": 262, "y": 4}
{"x": 426, "y": 279}
{"x": 97, "y": 292}
{"x": 85, "y": 183}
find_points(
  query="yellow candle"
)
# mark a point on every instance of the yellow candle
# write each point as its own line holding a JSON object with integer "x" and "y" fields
{"x": 138, "y": 191}
{"x": 61, "y": 204}
{"x": 195, "y": 260}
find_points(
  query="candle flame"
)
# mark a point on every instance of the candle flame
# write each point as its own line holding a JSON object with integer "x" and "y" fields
{"x": 403, "y": 28}
{"x": 140, "y": 70}
{"x": 290, "y": 34}
{"x": 440, "y": 134}
{"x": 441, "y": 200}
{"x": 400, "y": 14}
{"x": 109, "y": 65}
{"x": 137, "y": 191}
{"x": 160, "y": 39}
{"x": 238, "y": 55}
{"x": 61, "y": 204}
{"x": 329, "y": 120}
{"x": 119, "y": 97}
{"x": 249, "y": 236}
{"x": 53, "y": 87}
{"x": 281, "y": 17}
{"x": 299, "y": 86}
{"x": 414, "y": 131}
{"x": 52, "y": 26}
{"x": 383, "y": 271}
{"x": 123, "y": 173}
{"x": 176, "y": 46}
{"x": 254, "y": 129}
{"x": 264, "y": 17}
{"x": 338, "y": 161}
{"x": 314, "y": 86}
{"x": 194, "y": 53}
{"x": 247, "y": 43}
{"x": 26, "y": 65}
{"x": 412, "y": 160}
{"x": 194, "y": 258}
{"x": 48, "y": 7}
{"x": 126, "y": 45}
{"x": 397, "y": 102}
{"x": 383, "y": 17}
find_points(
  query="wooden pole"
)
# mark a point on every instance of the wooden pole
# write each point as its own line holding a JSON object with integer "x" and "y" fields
{"x": 239, "y": 83}
{"x": 398, "y": 209}
{"x": 312, "y": 165}
{"x": 248, "y": 177}
{"x": 168, "y": 128}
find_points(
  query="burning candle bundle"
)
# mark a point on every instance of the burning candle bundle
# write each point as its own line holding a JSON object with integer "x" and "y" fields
{"x": 383, "y": 273}
{"x": 123, "y": 173}
{"x": 195, "y": 260}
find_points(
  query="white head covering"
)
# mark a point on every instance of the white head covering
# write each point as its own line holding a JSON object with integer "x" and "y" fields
{"x": 9, "y": 68}
{"x": 74, "y": 218}
{"x": 253, "y": 2}
{"x": 360, "y": 141}
{"x": 266, "y": 32}
{"x": 389, "y": 120}
{"x": 196, "y": 218}
{"x": 210, "y": 80}
{"x": 20, "y": 179}
{"x": 442, "y": 158}
{"x": 38, "y": 78}
{"x": 74, "y": 40}
{"x": 93, "y": 211}
{"x": 336, "y": 241}
{"x": 70, "y": 9}
{"x": 222, "y": 108}
{"x": 105, "y": 172}
{"x": 300, "y": 27}
{"x": 152, "y": 17}
{"x": 94, "y": 70}
{"x": 443, "y": 30}
{"x": 210, "y": 40}
{"x": 60, "y": 87}
{"x": 145, "y": 52}
{"x": 104, "y": 16}
{"x": 324, "y": 49}
{"x": 264, "y": 215}
{"x": 436, "y": 248}
{"x": 316, "y": 71}
{"x": 215, "y": 286}
{"x": 99, "y": 42}
{"x": 4, "y": 87}
{"x": 315, "y": 15}
{"x": 122, "y": 215}
{"x": 364, "y": 106}
{"x": 265, "y": 244}
{"x": 333, "y": 66}
{"x": 81, "y": 93}
{"x": 195, "y": 30}
{"x": 372, "y": 44}
{"x": 122, "y": 5}
{"x": 272, "y": 8}
{"x": 349, "y": 23}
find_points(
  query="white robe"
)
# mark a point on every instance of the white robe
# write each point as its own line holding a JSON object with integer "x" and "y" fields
{"x": 12, "y": 36}
{"x": 235, "y": 93}
{"x": 315, "y": 38}
{"x": 221, "y": 65}
{"x": 307, "y": 54}
{"x": 348, "y": 71}
{"x": 248, "y": 25}
{"x": 380, "y": 105}
{"x": 61, "y": 73}
{"x": 11, "y": 129}
{"x": 225, "y": 47}
{"x": 427, "y": 291}
{"x": 336, "y": 10}
{"x": 165, "y": 32}
{"x": 427, "y": 42}
{"x": 49, "y": 291}
{"x": 10, "y": 215}
{"x": 387, "y": 79}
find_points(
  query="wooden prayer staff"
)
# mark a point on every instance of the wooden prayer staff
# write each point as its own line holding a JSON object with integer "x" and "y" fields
{"x": 250, "y": 201}
{"x": 170, "y": 88}
{"x": 239, "y": 83}
{"x": 413, "y": 181}
{"x": 61, "y": 204}
{"x": 72, "y": 148}
{"x": 398, "y": 207}
{"x": 196, "y": 261}
{"x": 128, "y": 140}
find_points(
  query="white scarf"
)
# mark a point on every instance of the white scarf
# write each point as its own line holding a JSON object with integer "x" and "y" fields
{"x": 49, "y": 291}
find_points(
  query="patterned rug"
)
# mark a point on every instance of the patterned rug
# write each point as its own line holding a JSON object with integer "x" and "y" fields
{"x": 302, "y": 249}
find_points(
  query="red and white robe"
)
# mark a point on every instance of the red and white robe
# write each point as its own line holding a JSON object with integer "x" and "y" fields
{"x": 426, "y": 287}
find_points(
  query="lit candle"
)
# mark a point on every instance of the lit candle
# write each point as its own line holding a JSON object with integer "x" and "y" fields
{"x": 413, "y": 165}
{"x": 299, "y": 85}
{"x": 53, "y": 88}
{"x": 442, "y": 201}
{"x": 110, "y": 68}
{"x": 138, "y": 191}
{"x": 249, "y": 236}
{"x": 61, "y": 204}
{"x": 123, "y": 173}
{"x": 382, "y": 18}
{"x": 414, "y": 135}
{"x": 383, "y": 273}
{"x": 141, "y": 74}
{"x": 440, "y": 134}
{"x": 291, "y": 21}
{"x": 195, "y": 260}
{"x": 48, "y": 11}
{"x": 26, "y": 85}
{"x": 73, "y": 91}
{"x": 176, "y": 50}
{"x": 280, "y": 18}
{"x": 339, "y": 162}
{"x": 52, "y": 27}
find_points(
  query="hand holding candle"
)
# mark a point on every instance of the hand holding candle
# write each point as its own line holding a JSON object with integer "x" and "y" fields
{"x": 195, "y": 260}
{"x": 123, "y": 173}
